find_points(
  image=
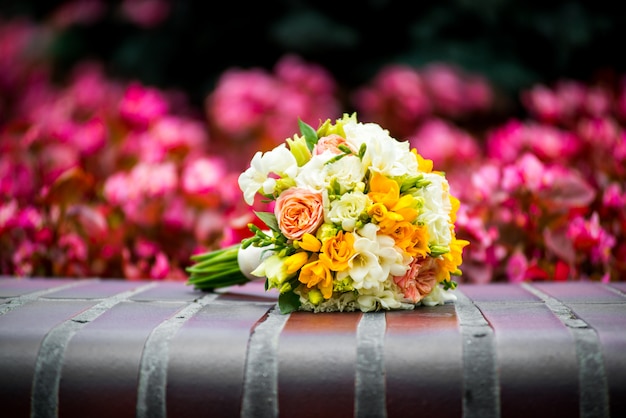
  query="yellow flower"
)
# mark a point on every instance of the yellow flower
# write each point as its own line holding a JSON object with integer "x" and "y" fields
{"x": 419, "y": 242}
{"x": 317, "y": 274}
{"x": 385, "y": 191}
{"x": 449, "y": 262}
{"x": 294, "y": 262}
{"x": 338, "y": 251}
{"x": 456, "y": 204}
{"x": 310, "y": 243}
{"x": 380, "y": 213}
{"x": 423, "y": 164}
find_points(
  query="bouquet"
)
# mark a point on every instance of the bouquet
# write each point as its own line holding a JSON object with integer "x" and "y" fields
{"x": 360, "y": 222}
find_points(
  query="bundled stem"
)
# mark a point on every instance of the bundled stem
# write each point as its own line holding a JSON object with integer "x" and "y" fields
{"x": 215, "y": 269}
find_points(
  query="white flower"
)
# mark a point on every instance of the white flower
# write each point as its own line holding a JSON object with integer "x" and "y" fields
{"x": 438, "y": 296}
{"x": 383, "y": 154}
{"x": 369, "y": 301}
{"x": 347, "y": 209}
{"x": 348, "y": 173}
{"x": 435, "y": 213}
{"x": 312, "y": 174}
{"x": 375, "y": 259}
{"x": 279, "y": 161}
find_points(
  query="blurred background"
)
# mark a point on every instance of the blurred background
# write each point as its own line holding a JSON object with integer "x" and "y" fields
{"x": 124, "y": 124}
{"x": 188, "y": 44}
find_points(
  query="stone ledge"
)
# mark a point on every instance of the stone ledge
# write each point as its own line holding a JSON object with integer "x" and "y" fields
{"x": 103, "y": 348}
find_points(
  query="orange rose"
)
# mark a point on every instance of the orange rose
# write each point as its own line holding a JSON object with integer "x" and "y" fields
{"x": 299, "y": 211}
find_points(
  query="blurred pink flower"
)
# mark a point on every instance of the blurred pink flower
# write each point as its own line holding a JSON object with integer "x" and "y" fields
{"x": 516, "y": 267}
{"x": 445, "y": 144}
{"x": 454, "y": 92}
{"x": 549, "y": 143}
{"x": 73, "y": 12}
{"x": 396, "y": 98}
{"x": 142, "y": 105}
{"x": 203, "y": 175}
{"x": 240, "y": 101}
{"x": 146, "y": 13}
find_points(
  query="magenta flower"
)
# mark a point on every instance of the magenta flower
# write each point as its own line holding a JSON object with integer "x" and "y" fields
{"x": 142, "y": 105}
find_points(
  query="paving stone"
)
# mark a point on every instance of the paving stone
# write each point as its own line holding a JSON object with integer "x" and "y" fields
{"x": 317, "y": 357}
{"x": 207, "y": 360}
{"x": 101, "y": 368}
{"x": 21, "y": 332}
{"x": 423, "y": 362}
{"x": 156, "y": 349}
{"x": 11, "y": 287}
{"x": 536, "y": 359}
{"x": 97, "y": 289}
{"x": 498, "y": 292}
{"x": 584, "y": 292}
{"x": 168, "y": 291}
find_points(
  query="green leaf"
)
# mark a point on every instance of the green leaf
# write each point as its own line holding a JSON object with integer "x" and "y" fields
{"x": 288, "y": 302}
{"x": 268, "y": 219}
{"x": 309, "y": 134}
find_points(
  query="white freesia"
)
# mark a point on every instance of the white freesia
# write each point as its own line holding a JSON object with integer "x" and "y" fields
{"x": 347, "y": 209}
{"x": 312, "y": 175}
{"x": 387, "y": 299}
{"x": 279, "y": 161}
{"x": 435, "y": 213}
{"x": 375, "y": 259}
{"x": 438, "y": 296}
{"x": 383, "y": 153}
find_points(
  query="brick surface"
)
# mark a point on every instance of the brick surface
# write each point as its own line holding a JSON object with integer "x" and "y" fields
{"x": 96, "y": 348}
{"x": 207, "y": 360}
{"x": 101, "y": 368}
{"x": 21, "y": 333}
{"x": 423, "y": 362}
{"x": 11, "y": 287}
{"x": 97, "y": 289}
{"x": 317, "y": 356}
{"x": 579, "y": 292}
{"x": 536, "y": 361}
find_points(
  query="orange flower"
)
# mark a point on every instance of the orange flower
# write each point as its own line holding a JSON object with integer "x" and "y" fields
{"x": 338, "y": 251}
{"x": 299, "y": 211}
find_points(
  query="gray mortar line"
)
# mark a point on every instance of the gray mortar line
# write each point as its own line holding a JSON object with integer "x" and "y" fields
{"x": 151, "y": 390}
{"x": 369, "y": 398}
{"x": 594, "y": 395}
{"x": 481, "y": 386}
{"x": 47, "y": 374}
{"x": 260, "y": 386}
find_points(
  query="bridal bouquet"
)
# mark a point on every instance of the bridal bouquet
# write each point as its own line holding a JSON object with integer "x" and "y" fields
{"x": 359, "y": 222}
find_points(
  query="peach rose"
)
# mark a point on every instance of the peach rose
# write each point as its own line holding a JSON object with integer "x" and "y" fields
{"x": 330, "y": 143}
{"x": 299, "y": 211}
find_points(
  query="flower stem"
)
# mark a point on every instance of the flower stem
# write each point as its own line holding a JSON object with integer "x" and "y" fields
{"x": 215, "y": 269}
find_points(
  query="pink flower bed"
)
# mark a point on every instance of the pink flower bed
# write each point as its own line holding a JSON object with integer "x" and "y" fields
{"x": 110, "y": 178}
